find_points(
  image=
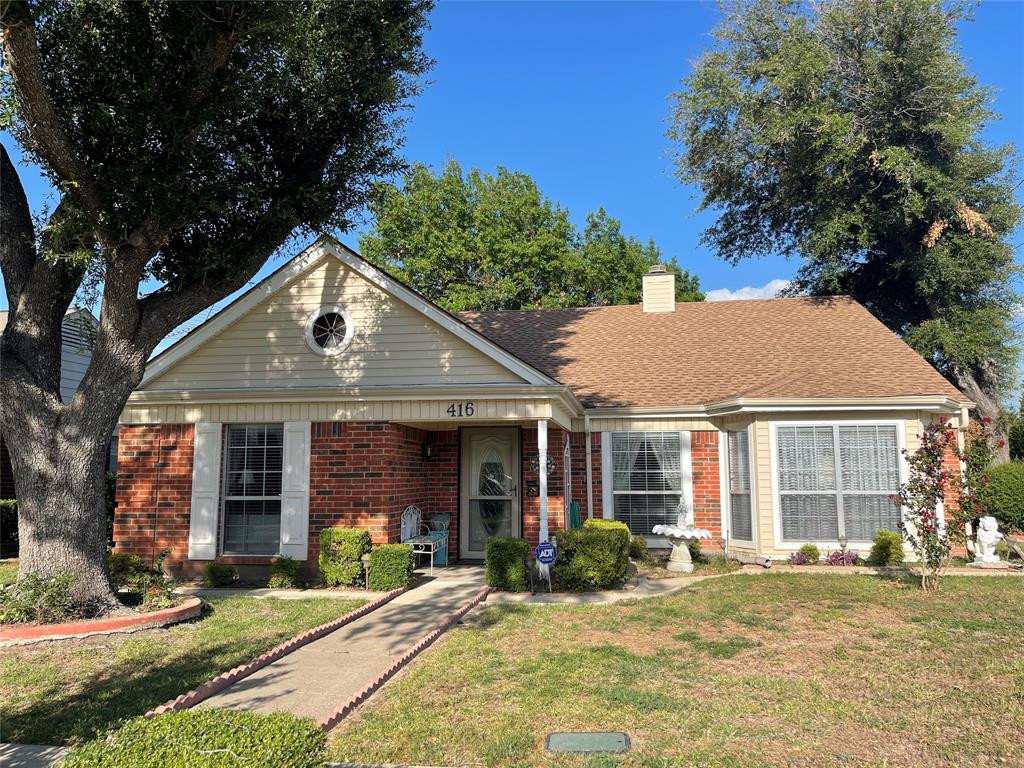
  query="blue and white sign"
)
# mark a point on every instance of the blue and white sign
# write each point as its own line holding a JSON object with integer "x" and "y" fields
{"x": 546, "y": 553}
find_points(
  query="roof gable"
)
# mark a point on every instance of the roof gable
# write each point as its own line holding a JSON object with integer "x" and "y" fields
{"x": 399, "y": 337}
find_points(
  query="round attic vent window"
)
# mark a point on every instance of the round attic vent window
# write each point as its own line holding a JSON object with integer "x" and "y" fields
{"x": 329, "y": 331}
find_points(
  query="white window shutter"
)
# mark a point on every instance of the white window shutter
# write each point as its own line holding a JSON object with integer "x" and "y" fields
{"x": 202, "y": 528}
{"x": 295, "y": 490}
{"x": 686, "y": 470}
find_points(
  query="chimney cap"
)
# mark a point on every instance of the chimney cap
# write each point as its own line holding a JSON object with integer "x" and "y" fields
{"x": 657, "y": 269}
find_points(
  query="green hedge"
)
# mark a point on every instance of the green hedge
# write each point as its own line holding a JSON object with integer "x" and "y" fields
{"x": 219, "y": 574}
{"x": 341, "y": 552}
{"x": 1003, "y": 498}
{"x": 9, "y": 522}
{"x": 595, "y": 556}
{"x": 284, "y": 573}
{"x": 206, "y": 738}
{"x": 390, "y": 567}
{"x": 505, "y": 564}
{"x": 887, "y": 551}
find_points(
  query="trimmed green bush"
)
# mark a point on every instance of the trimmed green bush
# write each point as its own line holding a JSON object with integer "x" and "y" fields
{"x": 127, "y": 570}
{"x": 694, "y": 546}
{"x": 284, "y": 573}
{"x": 638, "y": 549}
{"x": 1003, "y": 497}
{"x": 206, "y": 738}
{"x": 38, "y": 599}
{"x": 887, "y": 551}
{"x": 811, "y": 552}
{"x": 505, "y": 564}
{"x": 9, "y": 523}
{"x": 219, "y": 574}
{"x": 390, "y": 567}
{"x": 594, "y": 557}
{"x": 341, "y": 552}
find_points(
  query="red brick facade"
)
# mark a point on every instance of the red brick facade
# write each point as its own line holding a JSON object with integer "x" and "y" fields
{"x": 364, "y": 474}
{"x": 154, "y": 490}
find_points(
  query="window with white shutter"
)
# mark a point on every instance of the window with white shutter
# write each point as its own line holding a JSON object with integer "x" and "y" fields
{"x": 741, "y": 523}
{"x": 837, "y": 480}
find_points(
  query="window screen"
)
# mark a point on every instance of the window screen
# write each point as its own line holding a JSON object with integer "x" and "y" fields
{"x": 837, "y": 481}
{"x": 741, "y": 520}
{"x": 646, "y": 479}
{"x": 252, "y": 489}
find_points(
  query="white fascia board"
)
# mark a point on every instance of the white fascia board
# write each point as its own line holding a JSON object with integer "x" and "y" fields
{"x": 305, "y": 261}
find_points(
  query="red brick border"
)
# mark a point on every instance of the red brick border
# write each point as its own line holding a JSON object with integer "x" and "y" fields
{"x": 331, "y": 719}
{"x": 42, "y": 632}
{"x": 225, "y": 679}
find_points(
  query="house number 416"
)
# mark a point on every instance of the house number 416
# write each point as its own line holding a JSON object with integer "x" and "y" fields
{"x": 461, "y": 409}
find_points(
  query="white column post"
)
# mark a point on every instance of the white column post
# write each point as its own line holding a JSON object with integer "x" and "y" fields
{"x": 542, "y": 472}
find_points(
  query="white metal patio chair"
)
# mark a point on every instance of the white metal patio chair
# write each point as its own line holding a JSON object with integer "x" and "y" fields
{"x": 423, "y": 540}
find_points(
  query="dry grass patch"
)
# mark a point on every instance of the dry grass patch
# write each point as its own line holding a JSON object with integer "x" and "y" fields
{"x": 768, "y": 669}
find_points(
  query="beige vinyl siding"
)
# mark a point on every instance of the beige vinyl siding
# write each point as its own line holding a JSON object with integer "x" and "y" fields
{"x": 762, "y": 449}
{"x": 393, "y": 344}
{"x": 411, "y": 411}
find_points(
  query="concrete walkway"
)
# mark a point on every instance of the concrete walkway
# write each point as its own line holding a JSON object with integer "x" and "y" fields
{"x": 29, "y": 755}
{"x": 317, "y": 678}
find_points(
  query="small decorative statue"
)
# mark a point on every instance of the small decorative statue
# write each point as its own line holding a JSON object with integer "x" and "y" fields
{"x": 985, "y": 541}
{"x": 679, "y": 536}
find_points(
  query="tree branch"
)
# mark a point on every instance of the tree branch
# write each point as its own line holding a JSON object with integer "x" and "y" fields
{"x": 17, "y": 235}
{"x": 22, "y": 55}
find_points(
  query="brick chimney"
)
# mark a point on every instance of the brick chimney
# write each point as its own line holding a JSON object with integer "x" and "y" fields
{"x": 659, "y": 290}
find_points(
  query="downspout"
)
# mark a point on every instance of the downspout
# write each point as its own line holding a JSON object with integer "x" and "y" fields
{"x": 590, "y": 464}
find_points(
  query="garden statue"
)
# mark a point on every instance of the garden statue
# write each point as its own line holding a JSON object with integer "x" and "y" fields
{"x": 679, "y": 535}
{"x": 985, "y": 541}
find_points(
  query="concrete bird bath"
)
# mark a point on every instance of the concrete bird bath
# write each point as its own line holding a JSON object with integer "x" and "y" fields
{"x": 679, "y": 535}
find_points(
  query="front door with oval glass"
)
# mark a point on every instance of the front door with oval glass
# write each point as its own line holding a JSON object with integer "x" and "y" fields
{"x": 489, "y": 497}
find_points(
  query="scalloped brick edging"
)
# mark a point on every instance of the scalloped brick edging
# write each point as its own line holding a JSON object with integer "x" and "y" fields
{"x": 113, "y": 625}
{"x": 232, "y": 676}
{"x": 330, "y": 720}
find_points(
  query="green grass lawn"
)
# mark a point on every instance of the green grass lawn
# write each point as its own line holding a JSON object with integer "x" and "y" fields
{"x": 750, "y": 670}
{"x": 8, "y": 571}
{"x": 67, "y": 691}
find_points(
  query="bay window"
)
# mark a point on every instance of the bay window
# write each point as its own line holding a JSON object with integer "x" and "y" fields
{"x": 253, "y": 456}
{"x": 741, "y": 523}
{"x": 837, "y": 480}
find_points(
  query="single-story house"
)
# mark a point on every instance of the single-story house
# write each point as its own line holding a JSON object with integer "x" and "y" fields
{"x": 333, "y": 394}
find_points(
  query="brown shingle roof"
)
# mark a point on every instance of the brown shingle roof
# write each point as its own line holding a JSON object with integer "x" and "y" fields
{"x": 710, "y": 351}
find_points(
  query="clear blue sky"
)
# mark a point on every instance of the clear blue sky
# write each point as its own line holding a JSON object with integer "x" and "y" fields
{"x": 576, "y": 95}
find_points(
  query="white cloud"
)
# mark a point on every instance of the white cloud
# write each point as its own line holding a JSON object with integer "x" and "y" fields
{"x": 767, "y": 291}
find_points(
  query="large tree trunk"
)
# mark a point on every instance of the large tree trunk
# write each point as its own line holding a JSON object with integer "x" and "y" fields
{"x": 982, "y": 386}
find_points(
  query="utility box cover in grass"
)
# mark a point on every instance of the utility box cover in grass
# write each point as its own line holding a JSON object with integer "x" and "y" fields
{"x": 587, "y": 742}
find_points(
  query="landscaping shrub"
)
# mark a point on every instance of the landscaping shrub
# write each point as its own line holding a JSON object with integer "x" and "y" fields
{"x": 390, "y": 567}
{"x": 206, "y": 738}
{"x": 126, "y": 570}
{"x": 638, "y": 549}
{"x": 808, "y": 554}
{"x": 505, "y": 564}
{"x": 9, "y": 525}
{"x": 219, "y": 574}
{"x": 595, "y": 556}
{"x": 1003, "y": 497}
{"x": 37, "y": 599}
{"x": 341, "y": 552}
{"x": 694, "y": 546}
{"x": 284, "y": 573}
{"x": 887, "y": 551}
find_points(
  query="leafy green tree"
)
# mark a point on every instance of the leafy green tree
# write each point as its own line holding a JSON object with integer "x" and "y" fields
{"x": 475, "y": 241}
{"x": 848, "y": 134}
{"x": 187, "y": 142}
{"x": 1016, "y": 433}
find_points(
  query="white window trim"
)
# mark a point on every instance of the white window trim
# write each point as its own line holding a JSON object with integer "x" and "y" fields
{"x": 685, "y": 477}
{"x": 901, "y": 464}
{"x": 224, "y": 498}
{"x": 315, "y": 315}
{"x": 726, "y": 494}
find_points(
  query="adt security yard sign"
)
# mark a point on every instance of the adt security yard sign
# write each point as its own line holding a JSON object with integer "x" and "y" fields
{"x": 546, "y": 553}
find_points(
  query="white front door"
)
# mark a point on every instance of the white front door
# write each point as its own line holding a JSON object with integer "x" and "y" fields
{"x": 489, "y": 496}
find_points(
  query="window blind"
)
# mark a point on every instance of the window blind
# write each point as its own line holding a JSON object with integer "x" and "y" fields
{"x": 740, "y": 512}
{"x": 646, "y": 479}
